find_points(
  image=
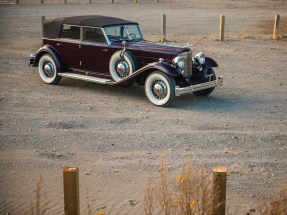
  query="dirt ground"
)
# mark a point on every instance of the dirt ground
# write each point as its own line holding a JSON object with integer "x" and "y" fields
{"x": 115, "y": 135}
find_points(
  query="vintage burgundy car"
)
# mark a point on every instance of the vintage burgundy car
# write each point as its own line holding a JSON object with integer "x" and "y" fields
{"x": 112, "y": 51}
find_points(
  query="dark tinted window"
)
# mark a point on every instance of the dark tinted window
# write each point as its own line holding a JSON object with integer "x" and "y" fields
{"x": 70, "y": 32}
{"x": 94, "y": 35}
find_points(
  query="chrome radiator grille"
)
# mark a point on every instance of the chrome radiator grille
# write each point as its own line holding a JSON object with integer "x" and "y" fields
{"x": 187, "y": 72}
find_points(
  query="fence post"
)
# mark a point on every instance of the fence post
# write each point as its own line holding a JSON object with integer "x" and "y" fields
{"x": 135, "y": 1}
{"x": 276, "y": 27}
{"x": 65, "y": 1}
{"x": 43, "y": 18}
{"x": 222, "y": 23}
{"x": 90, "y": 2}
{"x": 42, "y": 1}
{"x": 112, "y": 1}
{"x": 71, "y": 191}
{"x": 163, "y": 28}
{"x": 156, "y": 1}
{"x": 219, "y": 190}
{"x": 17, "y": 1}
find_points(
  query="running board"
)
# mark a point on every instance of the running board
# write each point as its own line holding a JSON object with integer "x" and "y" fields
{"x": 87, "y": 78}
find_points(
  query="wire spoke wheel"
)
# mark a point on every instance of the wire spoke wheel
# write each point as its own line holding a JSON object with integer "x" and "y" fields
{"x": 160, "y": 88}
{"x": 122, "y": 66}
{"x": 48, "y": 69}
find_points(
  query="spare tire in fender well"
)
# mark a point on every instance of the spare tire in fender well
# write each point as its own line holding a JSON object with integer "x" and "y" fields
{"x": 122, "y": 67}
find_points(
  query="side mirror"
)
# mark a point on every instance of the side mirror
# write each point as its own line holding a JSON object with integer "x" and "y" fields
{"x": 123, "y": 51}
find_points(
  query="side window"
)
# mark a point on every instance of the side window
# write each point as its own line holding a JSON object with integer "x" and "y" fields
{"x": 71, "y": 32}
{"x": 94, "y": 35}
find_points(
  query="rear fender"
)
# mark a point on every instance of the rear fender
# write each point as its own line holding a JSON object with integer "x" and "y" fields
{"x": 46, "y": 49}
{"x": 146, "y": 70}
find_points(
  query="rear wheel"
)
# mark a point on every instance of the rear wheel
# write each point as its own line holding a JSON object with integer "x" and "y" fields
{"x": 160, "y": 88}
{"x": 48, "y": 70}
{"x": 208, "y": 91}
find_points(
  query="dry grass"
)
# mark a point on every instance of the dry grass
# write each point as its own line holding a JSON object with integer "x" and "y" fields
{"x": 39, "y": 206}
{"x": 191, "y": 194}
{"x": 276, "y": 206}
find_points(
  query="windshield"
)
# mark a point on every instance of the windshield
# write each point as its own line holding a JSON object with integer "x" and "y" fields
{"x": 123, "y": 32}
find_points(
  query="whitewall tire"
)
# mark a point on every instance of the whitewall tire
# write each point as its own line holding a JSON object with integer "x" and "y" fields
{"x": 48, "y": 69}
{"x": 121, "y": 68}
{"x": 160, "y": 88}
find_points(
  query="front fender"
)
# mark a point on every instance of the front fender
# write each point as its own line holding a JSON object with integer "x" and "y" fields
{"x": 48, "y": 49}
{"x": 164, "y": 67}
{"x": 209, "y": 62}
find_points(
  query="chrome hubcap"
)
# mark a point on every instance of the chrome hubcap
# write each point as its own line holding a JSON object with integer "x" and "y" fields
{"x": 49, "y": 69}
{"x": 159, "y": 89}
{"x": 122, "y": 69}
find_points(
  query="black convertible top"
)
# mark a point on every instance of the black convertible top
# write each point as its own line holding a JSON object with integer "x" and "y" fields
{"x": 52, "y": 27}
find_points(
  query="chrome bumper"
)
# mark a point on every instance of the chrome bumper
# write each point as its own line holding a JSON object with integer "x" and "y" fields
{"x": 31, "y": 60}
{"x": 193, "y": 88}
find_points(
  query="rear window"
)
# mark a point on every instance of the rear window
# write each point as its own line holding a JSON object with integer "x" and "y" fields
{"x": 70, "y": 32}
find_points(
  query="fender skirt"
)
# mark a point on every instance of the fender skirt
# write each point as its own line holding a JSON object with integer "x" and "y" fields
{"x": 164, "y": 67}
{"x": 48, "y": 49}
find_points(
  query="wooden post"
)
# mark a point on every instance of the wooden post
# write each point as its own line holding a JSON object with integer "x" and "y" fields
{"x": 90, "y": 1}
{"x": 42, "y": 1}
{"x": 43, "y": 18}
{"x": 219, "y": 190}
{"x": 112, "y": 1}
{"x": 71, "y": 191}
{"x": 222, "y": 23}
{"x": 163, "y": 28}
{"x": 65, "y": 1}
{"x": 276, "y": 27}
{"x": 17, "y": 1}
{"x": 135, "y": 1}
{"x": 156, "y": 1}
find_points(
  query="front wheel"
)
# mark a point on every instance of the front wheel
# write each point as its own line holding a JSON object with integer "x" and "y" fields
{"x": 48, "y": 70}
{"x": 208, "y": 91}
{"x": 160, "y": 88}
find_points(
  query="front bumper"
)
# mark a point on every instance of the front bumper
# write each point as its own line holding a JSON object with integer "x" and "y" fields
{"x": 194, "y": 88}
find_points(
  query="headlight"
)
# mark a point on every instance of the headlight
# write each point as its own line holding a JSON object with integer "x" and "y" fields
{"x": 200, "y": 57}
{"x": 179, "y": 61}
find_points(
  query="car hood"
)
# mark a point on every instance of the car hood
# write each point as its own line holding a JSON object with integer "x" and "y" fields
{"x": 155, "y": 50}
{"x": 156, "y": 47}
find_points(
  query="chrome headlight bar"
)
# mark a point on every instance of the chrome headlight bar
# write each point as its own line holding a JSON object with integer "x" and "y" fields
{"x": 184, "y": 63}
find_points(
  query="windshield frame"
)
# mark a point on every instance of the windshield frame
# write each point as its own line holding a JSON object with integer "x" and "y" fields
{"x": 126, "y": 30}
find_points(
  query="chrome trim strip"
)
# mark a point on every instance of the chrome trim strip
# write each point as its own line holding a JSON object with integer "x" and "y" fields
{"x": 194, "y": 88}
{"x": 86, "y": 78}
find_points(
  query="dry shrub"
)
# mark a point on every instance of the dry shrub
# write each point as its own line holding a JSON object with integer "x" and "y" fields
{"x": 276, "y": 206}
{"x": 190, "y": 195}
{"x": 39, "y": 206}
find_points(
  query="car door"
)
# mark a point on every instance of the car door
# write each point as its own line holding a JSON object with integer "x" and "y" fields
{"x": 68, "y": 46}
{"x": 95, "y": 52}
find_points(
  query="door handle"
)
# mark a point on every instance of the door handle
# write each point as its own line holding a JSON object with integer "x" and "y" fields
{"x": 104, "y": 50}
{"x": 58, "y": 44}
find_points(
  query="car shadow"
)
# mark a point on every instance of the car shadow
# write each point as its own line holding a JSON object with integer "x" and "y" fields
{"x": 218, "y": 101}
